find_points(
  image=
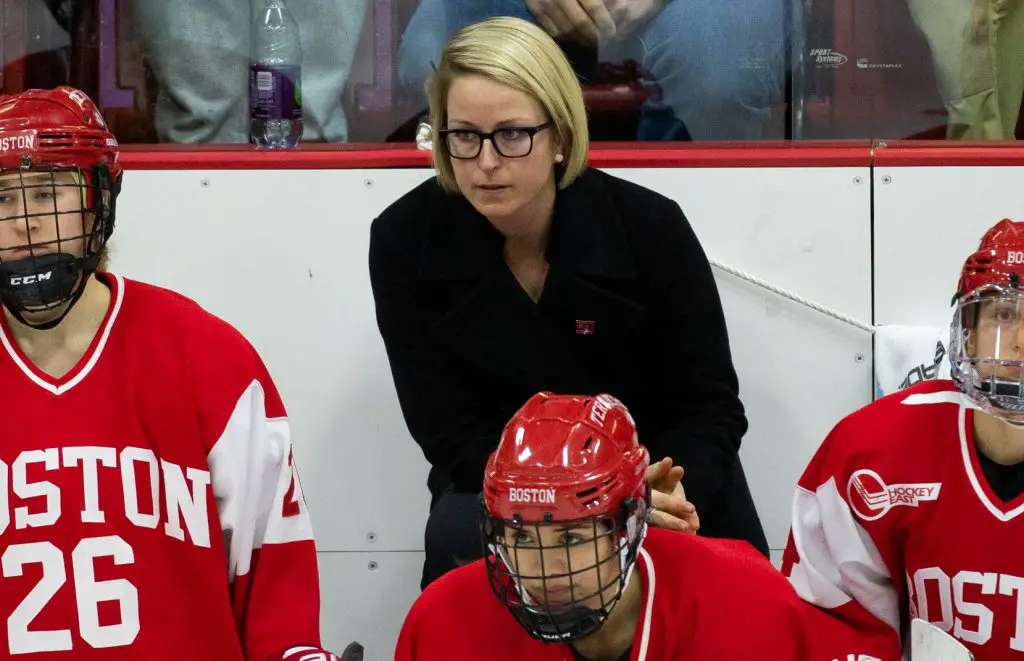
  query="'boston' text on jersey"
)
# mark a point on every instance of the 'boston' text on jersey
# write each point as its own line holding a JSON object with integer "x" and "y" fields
{"x": 143, "y": 478}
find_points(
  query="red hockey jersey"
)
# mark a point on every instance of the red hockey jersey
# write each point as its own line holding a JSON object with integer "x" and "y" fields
{"x": 703, "y": 600}
{"x": 894, "y": 519}
{"x": 149, "y": 508}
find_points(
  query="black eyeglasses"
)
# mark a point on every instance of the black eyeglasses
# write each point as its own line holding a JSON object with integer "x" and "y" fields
{"x": 510, "y": 141}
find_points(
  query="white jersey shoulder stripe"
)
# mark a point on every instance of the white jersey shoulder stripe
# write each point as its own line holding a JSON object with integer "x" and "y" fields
{"x": 252, "y": 478}
{"x": 838, "y": 561}
{"x": 946, "y": 397}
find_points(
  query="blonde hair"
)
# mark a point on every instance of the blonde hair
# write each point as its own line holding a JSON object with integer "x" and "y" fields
{"x": 520, "y": 55}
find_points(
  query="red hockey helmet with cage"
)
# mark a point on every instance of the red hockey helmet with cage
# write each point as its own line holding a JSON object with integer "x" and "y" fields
{"x": 567, "y": 462}
{"x": 984, "y": 356}
{"x": 54, "y": 143}
{"x": 998, "y": 260}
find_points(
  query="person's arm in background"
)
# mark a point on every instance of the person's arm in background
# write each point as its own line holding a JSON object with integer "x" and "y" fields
{"x": 631, "y": 15}
{"x": 441, "y": 409}
{"x": 695, "y": 380}
{"x": 583, "y": 21}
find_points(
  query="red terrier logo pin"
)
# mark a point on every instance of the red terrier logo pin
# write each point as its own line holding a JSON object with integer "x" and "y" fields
{"x": 584, "y": 327}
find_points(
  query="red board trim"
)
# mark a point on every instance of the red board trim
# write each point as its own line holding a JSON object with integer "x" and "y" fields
{"x": 801, "y": 154}
{"x": 604, "y": 155}
{"x": 940, "y": 153}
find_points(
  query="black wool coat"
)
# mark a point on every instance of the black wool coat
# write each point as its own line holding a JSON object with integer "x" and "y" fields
{"x": 629, "y": 307}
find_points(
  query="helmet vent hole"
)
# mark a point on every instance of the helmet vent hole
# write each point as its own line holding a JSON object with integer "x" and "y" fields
{"x": 593, "y": 495}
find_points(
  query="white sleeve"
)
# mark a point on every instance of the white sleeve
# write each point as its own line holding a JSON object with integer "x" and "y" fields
{"x": 835, "y": 563}
{"x": 255, "y": 483}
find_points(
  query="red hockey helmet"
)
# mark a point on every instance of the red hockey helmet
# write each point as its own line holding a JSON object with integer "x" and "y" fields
{"x": 58, "y": 164}
{"x": 999, "y": 259}
{"x": 59, "y": 127}
{"x": 566, "y": 500}
{"x": 986, "y": 346}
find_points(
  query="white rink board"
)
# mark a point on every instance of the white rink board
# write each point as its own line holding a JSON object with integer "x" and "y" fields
{"x": 365, "y": 597}
{"x": 927, "y": 221}
{"x": 807, "y": 231}
{"x": 283, "y": 256}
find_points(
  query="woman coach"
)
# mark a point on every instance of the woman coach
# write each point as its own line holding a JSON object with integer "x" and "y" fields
{"x": 519, "y": 269}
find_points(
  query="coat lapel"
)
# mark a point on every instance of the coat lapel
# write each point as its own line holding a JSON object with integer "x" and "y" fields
{"x": 591, "y": 291}
{"x": 500, "y": 329}
{"x": 487, "y": 318}
{"x": 586, "y": 308}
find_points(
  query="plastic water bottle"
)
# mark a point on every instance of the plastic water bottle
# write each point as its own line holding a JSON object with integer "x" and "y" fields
{"x": 275, "y": 78}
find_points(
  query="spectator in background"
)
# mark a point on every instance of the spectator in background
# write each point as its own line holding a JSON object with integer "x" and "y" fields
{"x": 978, "y": 53}
{"x": 199, "y": 53}
{"x": 518, "y": 269}
{"x": 715, "y": 68}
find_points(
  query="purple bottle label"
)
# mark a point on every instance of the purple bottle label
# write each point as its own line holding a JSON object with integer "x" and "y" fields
{"x": 275, "y": 92}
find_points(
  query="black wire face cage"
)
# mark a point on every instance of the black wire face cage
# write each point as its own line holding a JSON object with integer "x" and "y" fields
{"x": 54, "y": 224}
{"x": 561, "y": 580}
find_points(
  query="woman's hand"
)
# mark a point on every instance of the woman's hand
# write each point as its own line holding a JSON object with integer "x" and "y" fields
{"x": 669, "y": 507}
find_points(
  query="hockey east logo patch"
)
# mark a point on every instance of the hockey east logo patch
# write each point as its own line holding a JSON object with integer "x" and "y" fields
{"x": 871, "y": 498}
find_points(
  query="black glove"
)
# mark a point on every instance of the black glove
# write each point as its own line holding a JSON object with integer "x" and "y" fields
{"x": 354, "y": 652}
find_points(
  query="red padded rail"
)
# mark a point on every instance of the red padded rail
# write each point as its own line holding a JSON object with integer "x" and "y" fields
{"x": 603, "y": 155}
{"x": 908, "y": 153}
{"x": 860, "y": 153}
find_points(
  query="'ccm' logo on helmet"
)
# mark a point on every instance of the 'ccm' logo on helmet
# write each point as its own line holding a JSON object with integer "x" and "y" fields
{"x": 531, "y": 495}
{"x": 23, "y": 142}
{"x": 1015, "y": 257}
{"x": 30, "y": 279}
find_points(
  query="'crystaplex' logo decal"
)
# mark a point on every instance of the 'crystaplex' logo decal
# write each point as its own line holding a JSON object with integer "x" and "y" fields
{"x": 871, "y": 498}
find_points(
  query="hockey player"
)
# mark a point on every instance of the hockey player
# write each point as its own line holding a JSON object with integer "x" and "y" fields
{"x": 574, "y": 572}
{"x": 912, "y": 507}
{"x": 149, "y": 504}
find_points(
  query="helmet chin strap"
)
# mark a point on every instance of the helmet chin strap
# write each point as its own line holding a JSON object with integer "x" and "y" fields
{"x": 43, "y": 283}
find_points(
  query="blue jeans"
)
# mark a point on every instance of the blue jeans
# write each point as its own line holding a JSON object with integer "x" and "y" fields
{"x": 715, "y": 67}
